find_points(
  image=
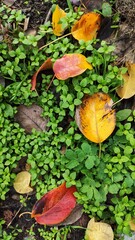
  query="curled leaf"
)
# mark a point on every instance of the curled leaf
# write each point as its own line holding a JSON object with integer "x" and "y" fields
{"x": 87, "y": 27}
{"x": 56, "y": 17}
{"x": 21, "y": 183}
{"x": 95, "y": 118}
{"x": 46, "y": 65}
{"x": 55, "y": 206}
{"x": 132, "y": 224}
{"x": 98, "y": 230}
{"x": 128, "y": 89}
{"x": 70, "y": 65}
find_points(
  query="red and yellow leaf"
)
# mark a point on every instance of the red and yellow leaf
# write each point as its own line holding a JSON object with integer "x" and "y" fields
{"x": 46, "y": 65}
{"x": 128, "y": 89}
{"x": 55, "y": 206}
{"x": 56, "y": 17}
{"x": 70, "y": 65}
{"x": 87, "y": 27}
{"x": 95, "y": 118}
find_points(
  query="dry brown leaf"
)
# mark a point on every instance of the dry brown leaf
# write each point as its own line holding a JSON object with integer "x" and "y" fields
{"x": 98, "y": 231}
{"x": 87, "y": 27}
{"x": 128, "y": 89}
{"x": 95, "y": 118}
{"x": 9, "y": 2}
{"x": 30, "y": 117}
{"x": 21, "y": 183}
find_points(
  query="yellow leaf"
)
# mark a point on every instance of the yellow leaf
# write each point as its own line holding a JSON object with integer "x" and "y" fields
{"x": 56, "y": 17}
{"x": 98, "y": 231}
{"x": 128, "y": 89}
{"x": 132, "y": 224}
{"x": 21, "y": 183}
{"x": 86, "y": 28}
{"x": 95, "y": 118}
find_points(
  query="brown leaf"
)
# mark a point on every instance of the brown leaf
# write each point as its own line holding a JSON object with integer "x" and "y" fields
{"x": 30, "y": 117}
{"x": 46, "y": 65}
{"x": 74, "y": 216}
{"x": 9, "y": 2}
{"x": 93, "y": 4}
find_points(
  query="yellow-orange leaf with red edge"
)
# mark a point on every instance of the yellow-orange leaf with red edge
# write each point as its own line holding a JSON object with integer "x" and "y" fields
{"x": 87, "y": 27}
{"x": 56, "y": 17}
{"x": 70, "y": 65}
{"x": 46, "y": 65}
{"x": 95, "y": 118}
{"x": 128, "y": 89}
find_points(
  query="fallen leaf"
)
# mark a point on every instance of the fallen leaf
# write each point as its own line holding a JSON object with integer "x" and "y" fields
{"x": 74, "y": 216}
{"x": 56, "y": 17}
{"x": 46, "y": 65}
{"x": 9, "y": 2}
{"x": 91, "y": 5}
{"x": 55, "y": 206}
{"x": 95, "y": 118}
{"x": 30, "y": 117}
{"x": 21, "y": 183}
{"x": 87, "y": 27}
{"x": 98, "y": 231}
{"x": 128, "y": 89}
{"x": 70, "y": 65}
{"x": 132, "y": 224}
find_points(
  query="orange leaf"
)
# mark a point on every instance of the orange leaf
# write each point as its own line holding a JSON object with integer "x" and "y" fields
{"x": 46, "y": 65}
{"x": 128, "y": 89}
{"x": 95, "y": 118}
{"x": 86, "y": 28}
{"x": 70, "y": 65}
{"x": 56, "y": 17}
{"x": 55, "y": 206}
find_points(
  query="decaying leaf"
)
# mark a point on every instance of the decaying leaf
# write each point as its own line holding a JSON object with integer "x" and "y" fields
{"x": 46, "y": 65}
{"x": 132, "y": 224}
{"x": 8, "y": 2}
{"x": 74, "y": 216}
{"x": 95, "y": 118}
{"x": 128, "y": 89}
{"x": 87, "y": 27}
{"x": 56, "y": 17}
{"x": 21, "y": 183}
{"x": 55, "y": 206}
{"x": 70, "y": 65}
{"x": 98, "y": 231}
{"x": 30, "y": 117}
{"x": 91, "y": 5}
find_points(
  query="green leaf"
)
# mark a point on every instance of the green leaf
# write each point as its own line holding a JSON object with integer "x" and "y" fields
{"x": 89, "y": 163}
{"x": 86, "y": 148}
{"x": 123, "y": 114}
{"x": 72, "y": 164}
{"x": 106, "y": 9}
{"x": 70, "y": 155}
{"x": 114, "y": 188}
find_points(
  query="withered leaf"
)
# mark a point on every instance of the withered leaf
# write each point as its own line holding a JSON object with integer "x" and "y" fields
{"x": 30, "y": 117}
{"x": 21, "y": 183}
{"x": 74, "y": 216}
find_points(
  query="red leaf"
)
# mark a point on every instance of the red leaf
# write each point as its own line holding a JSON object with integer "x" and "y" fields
{"x": 70, "y": 65}
{"x": 46, "y": 65}
{"x": 55, "y": 206}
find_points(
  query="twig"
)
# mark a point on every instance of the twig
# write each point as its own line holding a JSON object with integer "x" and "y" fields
{"x": 15, "y": 216}
{"x": 50, "y": 82}
{"x": 54, "y": 41}
{"x": 48, "y": 15}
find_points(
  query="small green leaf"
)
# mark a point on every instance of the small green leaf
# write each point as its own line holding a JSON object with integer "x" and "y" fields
{"x": 123, "y": 114}
{"x": 106, "y": 9}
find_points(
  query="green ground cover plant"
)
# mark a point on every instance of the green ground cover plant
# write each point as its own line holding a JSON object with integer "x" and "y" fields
{"x": 106, "y": 184}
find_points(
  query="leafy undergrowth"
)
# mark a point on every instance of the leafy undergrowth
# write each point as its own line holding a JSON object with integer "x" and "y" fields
{"x": 39, "y": 132}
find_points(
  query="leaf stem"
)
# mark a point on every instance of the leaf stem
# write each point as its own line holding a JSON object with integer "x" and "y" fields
{"x": 99, "y": 155}
{"x": 54, "y": 41}
{"x": 117, "y": 102}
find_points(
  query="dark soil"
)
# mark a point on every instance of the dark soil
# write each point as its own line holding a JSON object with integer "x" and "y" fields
{"x": 38, "y": 12}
